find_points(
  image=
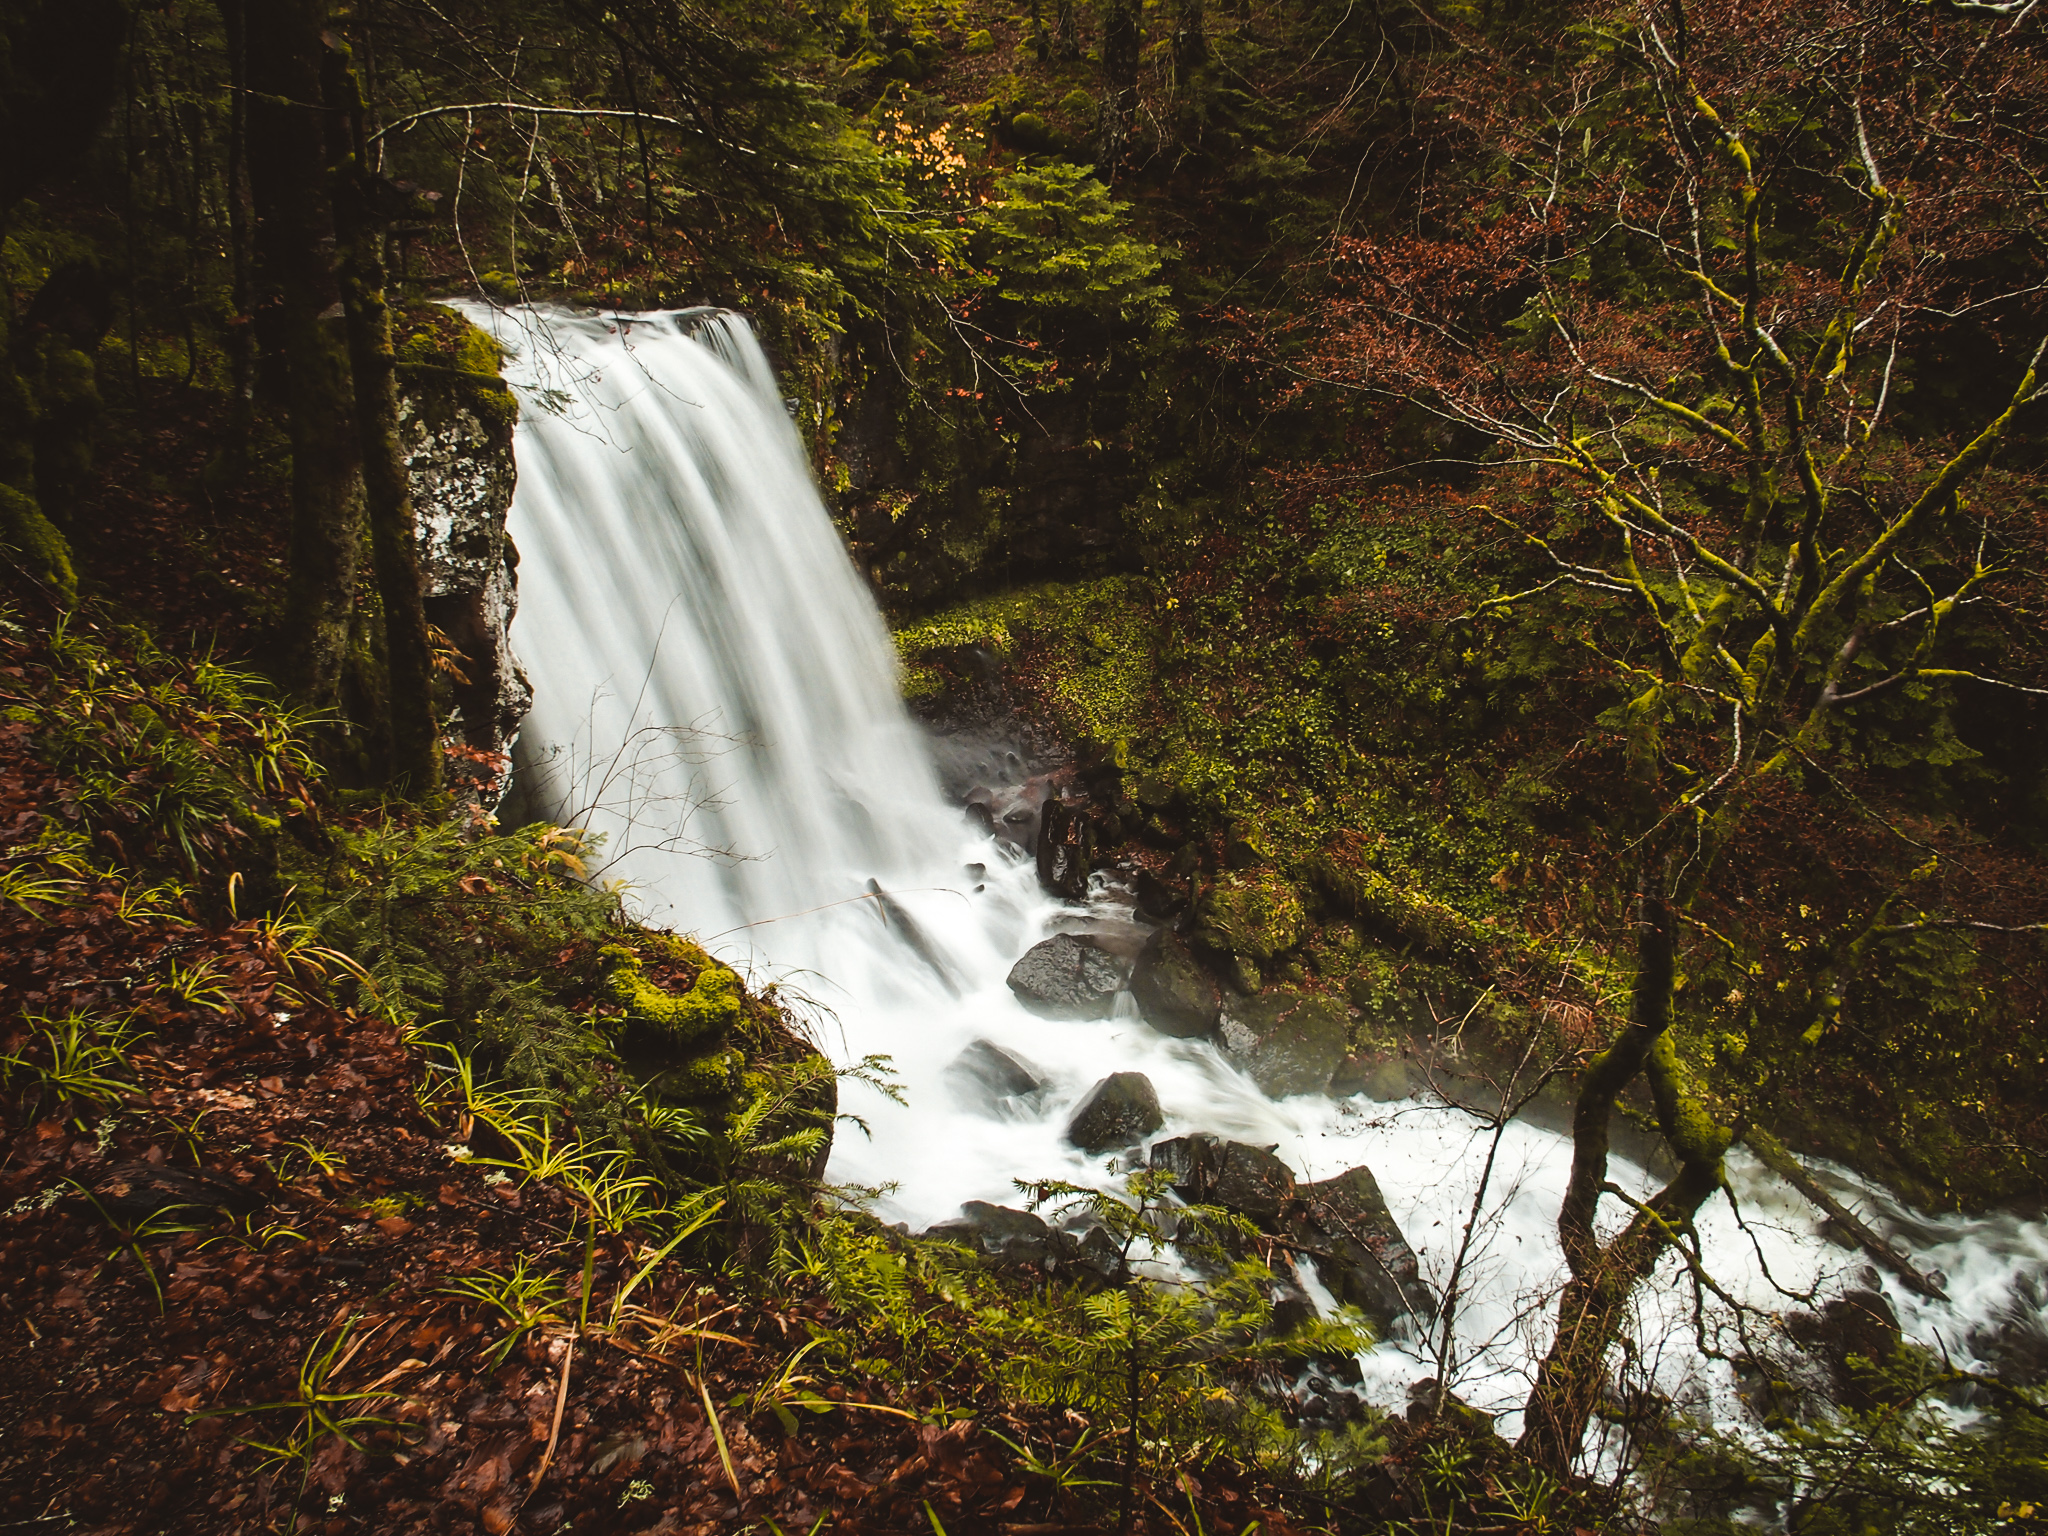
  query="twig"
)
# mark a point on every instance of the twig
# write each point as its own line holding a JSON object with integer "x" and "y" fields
{"x": 555, "y": 1429}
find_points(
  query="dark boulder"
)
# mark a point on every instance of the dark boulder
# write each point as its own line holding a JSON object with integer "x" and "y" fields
{"x": 1067, "y": 977}
{"x": 1064, "y": 846}
{"x": 1286, "y": 1041}
{"x": 1362, "y": 1256}
{"x": 1174, "y": 990}
{"x": 1248, "y": 1180}
{"x": 999, "y": 1233}
{"x": 990, "y": 1078}
{"x": 1120, "y": 1111}
{"x": 1856, "y": 1334}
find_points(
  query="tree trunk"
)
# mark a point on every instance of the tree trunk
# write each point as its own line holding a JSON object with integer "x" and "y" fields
{"x": 1120, "y": 50}
{"x": 1190, "y": 45}
{"x": 288, "y": 160}
{"x": 1068, "y": 17}
{"x": 1573, "y": 1374}
{"x": 360, "y": 227}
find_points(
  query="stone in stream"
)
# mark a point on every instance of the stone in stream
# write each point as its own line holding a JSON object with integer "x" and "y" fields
{"x": 1246, "y": 1179}
{"x": 999, "y": 1233}
{"x": 1120, "y": 1111}
{"x": 990, "y": 1078}
{"x": 1285, "y": 1041}
{"x": 1066, "y": 977}
{"x": 1359, "y": 1250}
{"x": 1856, "y": 1334}
{"x": 1174, "y": 990}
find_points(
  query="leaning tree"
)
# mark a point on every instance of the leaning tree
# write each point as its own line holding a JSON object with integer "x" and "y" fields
{"x": 1680, "y": 304}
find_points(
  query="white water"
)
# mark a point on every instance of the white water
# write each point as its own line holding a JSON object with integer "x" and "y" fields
{"x": 715, "y": 692}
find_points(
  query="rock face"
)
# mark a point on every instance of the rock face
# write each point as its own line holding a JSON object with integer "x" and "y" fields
{"x": 1175, "y": 991}
{"x": 991, "y": 1079}
{"x": 1285, "y": 1041}
{"x": 1370, "y": 1264}
{"x": 1248, "y": 1180}
{"x": 1120, "y": 1111}
{"x": 456, "y": 430}
{"x": 1066, "y": 977}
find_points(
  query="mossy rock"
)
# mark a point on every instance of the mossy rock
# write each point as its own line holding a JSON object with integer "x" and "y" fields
{"x": 983, "y": 41}
{"x": 1251, "y": 914}
{"x": 44, "y": 550}
{"x": 1406, "y": 918}
{"x": 716, "y": 1075}
{"x": 445, "y": 365}
{"x": 703, "y": 1014}
{"x": 1030, "y": 131}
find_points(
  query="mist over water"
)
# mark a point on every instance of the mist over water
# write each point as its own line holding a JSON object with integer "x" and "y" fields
{"x": 716, "y": 693}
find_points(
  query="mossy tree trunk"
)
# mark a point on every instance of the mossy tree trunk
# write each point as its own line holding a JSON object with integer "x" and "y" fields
{"x": 290, "y": 146}
{"x": 361, "y": 226}
{"x": 1603, "y": 1277}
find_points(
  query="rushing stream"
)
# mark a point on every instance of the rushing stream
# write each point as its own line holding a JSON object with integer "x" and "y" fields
{"x": 717, "y": 694}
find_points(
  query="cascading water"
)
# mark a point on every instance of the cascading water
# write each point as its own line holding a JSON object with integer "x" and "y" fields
{"x": 715, "y": 692}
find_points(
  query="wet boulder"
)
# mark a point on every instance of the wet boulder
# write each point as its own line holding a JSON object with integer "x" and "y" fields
{"x": 1286, "y": 1041}
{"x": 1248, "y": 1180}
{"x": 1856, "y": 1335}
{"x": 1120, "y": 1111}
{"x": 1067, "y": 977}
{"x": 1360, "y": 1251}
{"x": 989, "y": 1078}
{"x": 1174, "y": 990}
{"x": 1000, "y": 1234}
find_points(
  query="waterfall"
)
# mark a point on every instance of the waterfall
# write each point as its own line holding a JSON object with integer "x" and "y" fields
{"x": 715, "y": 692}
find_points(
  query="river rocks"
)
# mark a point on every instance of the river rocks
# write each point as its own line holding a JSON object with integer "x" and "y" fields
{"x": 1120, "y": 1111}
{"x": 1856, "y": 1334}
{"x": 991, "y": 1079}
{"x": 1285, "y": 1041}
{"x": 1365, "y": 1259}
{"x": 1248, "y": 1180}
{"x": 999, "y": 1233}
{"x": 1174, "y": 990}
{"x": 1066, "y": 977}
{"x": 1004, "y": 1235}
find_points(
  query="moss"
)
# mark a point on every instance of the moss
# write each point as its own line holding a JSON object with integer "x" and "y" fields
{"x": 1088, "y": 644}
{"x": 1409, "y": 919}
{"x": 44, "y": 550}
{"x": 446, "y": 365}
{"x": 704, "y": 1013}
{"x": 714, "y": 1075}
{"x": 1253, "y": 915}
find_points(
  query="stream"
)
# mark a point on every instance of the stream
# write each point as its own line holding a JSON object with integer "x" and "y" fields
{"x": 716, "y": 693}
